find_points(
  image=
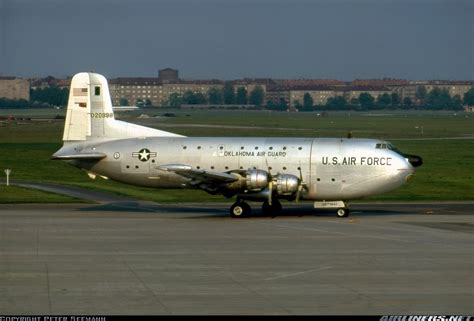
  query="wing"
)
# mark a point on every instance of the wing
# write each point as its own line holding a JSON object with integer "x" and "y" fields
{"x": 199, "y": 176}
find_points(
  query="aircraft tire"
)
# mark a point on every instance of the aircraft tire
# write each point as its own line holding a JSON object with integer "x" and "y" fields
{"x": 240, "y": 209}
{"x": 342, "y": 212}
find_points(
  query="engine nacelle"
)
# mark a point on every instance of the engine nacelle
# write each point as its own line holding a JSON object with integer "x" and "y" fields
{"x": 256, "y": 180}
{"x": 287, "y": 184}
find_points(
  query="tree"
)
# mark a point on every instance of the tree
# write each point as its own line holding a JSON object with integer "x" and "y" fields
{"x": 175, "y": 100}
{"x": 123, "y": 102}
{"x": 139, "y": 102}
{"x": 215, "y": 96}
{"x": 384, "y": 100}
{"x": 366, "y": 101}
{"x": 395, "y": 100}
{"x": 281, "y": 105}
{"x": 256, "y": 96}
{"x": 407, "y": 103}
{"x": 200, "y": 99}
{"x": 338, "y": 102}
{"x": 355, "y": 104}
{"x": 298, "y": 105}
{"x": 307, "y": 102}
{"x": 192, "y": 98}
{"x": 456, "y": 103}
{"x": 229, "y": 94}
{"x": 241, "y": 97}
{"x": 53, "y": 95}
{"x": 438, "y": 99}
{"x": 148, "y": 102}
{"x": 14, "y": 103}
{"x": 468, "y": 98}
{"x": 420, "y": 94}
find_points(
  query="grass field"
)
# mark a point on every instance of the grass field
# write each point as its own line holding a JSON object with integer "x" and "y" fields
{"x": 26, "y": 146}
{"x": 14, "y": 194}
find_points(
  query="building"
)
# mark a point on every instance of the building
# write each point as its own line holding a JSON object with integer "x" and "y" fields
{"x": 351, "y": 92}
{"x": 14, "y": 88}
{"x": 319, "y": 94}
{"x": 455, "y": 88}
{"x": 168, "y": 75}
{"x": 276, "y": 97}
{"x": 135, "y": 90}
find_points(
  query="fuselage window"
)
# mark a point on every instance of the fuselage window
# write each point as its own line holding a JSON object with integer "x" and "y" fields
{"x": 97, "y": 91}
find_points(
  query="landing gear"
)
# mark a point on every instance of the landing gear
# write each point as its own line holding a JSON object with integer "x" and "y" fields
{"x": 271, "y": 210}
{"x": 240, "y": 209}
{"x": 342, "y": 212}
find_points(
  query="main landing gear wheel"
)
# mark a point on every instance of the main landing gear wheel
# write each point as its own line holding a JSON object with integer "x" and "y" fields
{"x": 342, "y": 212}
{"x": 271, "y": 210}
{"x": 240, "y": 209}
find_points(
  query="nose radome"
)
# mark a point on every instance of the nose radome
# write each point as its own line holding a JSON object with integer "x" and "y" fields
{"x": 414, "y": 160}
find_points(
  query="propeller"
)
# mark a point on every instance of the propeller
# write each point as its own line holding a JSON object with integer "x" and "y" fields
{"x": 301, "y": 185}
{"x": 270, "y": 183}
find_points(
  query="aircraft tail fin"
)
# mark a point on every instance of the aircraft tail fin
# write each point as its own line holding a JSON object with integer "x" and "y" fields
{"x": 90, "y": 115}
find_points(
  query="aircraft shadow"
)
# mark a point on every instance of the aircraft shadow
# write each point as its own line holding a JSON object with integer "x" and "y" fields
{"x": 213, "y": 212}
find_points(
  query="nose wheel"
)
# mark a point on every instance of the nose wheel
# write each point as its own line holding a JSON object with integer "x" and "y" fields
{"x": 342, "y": 212}
{"x": 240, "y": 209}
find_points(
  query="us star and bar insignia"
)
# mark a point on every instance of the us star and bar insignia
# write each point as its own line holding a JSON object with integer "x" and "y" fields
{"x": 144, "y": 154}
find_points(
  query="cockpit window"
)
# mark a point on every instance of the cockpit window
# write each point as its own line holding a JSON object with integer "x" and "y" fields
{"x": 388, "y": 146}
{"x": 396, "y": 150}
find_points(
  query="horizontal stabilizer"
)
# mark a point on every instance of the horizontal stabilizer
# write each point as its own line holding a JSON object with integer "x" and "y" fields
{"x": 84, "y": 156}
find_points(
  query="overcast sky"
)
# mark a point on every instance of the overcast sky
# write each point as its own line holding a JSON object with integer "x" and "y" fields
{"x": 228, "y": 39}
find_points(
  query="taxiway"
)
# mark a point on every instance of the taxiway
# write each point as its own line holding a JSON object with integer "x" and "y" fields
{"x": 128, "y": 257}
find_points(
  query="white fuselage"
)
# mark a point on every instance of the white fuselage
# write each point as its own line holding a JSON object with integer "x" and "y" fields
{"x": 331, "y": 168}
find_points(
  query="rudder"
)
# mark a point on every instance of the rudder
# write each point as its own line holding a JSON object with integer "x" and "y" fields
{"x": 90, "y": 115}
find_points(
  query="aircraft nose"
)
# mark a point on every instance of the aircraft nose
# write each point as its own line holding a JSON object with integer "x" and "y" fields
{"x": 414, "y": 160}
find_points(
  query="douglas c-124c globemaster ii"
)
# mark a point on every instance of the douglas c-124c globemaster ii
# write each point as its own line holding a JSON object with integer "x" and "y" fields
{"x": 329, "y": 171}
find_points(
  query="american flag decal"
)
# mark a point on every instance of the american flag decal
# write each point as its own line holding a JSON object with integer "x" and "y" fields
{"x": 79, "y": 91}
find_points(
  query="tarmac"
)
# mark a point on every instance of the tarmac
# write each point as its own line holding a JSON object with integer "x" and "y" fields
{"x": 129, "y": 257}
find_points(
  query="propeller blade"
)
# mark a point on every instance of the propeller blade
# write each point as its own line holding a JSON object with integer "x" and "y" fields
{"x": 298, "y": 193}
{"x": 270, "y": 194}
